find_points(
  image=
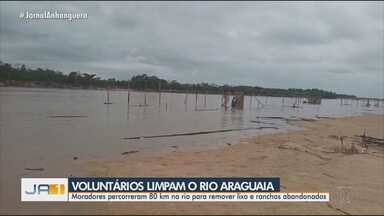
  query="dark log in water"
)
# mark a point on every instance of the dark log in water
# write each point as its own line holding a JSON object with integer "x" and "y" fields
{"x": 301, "y": 119}
{"x": 271, "y": 117}
{"x": 140, "y": 105}
{"x": 207, "y": 109}
{"x": 287, "y": 119}
{"x": 324, "y": 117}
{"x": 260, "y": 122}
{"x": 199, "y": 133}
{"x": 68, "y": 116}
{"x": 294, "y": 106}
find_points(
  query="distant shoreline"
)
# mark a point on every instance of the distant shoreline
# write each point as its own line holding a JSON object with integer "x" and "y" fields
{"x": 34, "y": 85}
{"x": 43, "y": 78}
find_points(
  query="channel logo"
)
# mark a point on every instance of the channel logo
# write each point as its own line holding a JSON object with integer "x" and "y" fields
{"x": 44, "y": 189}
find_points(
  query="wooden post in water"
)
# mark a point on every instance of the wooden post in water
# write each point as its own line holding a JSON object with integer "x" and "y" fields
{"x": 250, "y": 103}
{"x": 108, "y": 96}
{"x": 145, "y": 93}
{"x": 186, "y": 98}
{"x": 160, "y": 94}
{"x": 129, "y": 92}
{"x": 205, "y": 100}
{"x": 196, "y": 102}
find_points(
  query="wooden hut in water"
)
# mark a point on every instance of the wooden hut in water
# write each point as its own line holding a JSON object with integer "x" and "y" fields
{"x": 314, "y": 100}
{"x": 229, "y": 96}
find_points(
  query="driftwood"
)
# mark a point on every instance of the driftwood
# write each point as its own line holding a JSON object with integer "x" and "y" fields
{"x": 304, "y": 151}
{"x": 337, "y": 209}
{"x": 271, "y": 117}
{"x": 199, "y": 133}
{"x": 300, "y": 119}
{"x": 308, "y": 119}
{"x": 140, "y": 105}
{"x": 344, "y": 155}
{"x": 352, "y": 150}
{"x": 371, "y": 140}
{"x": 330, "y": 152}
{"x": 260, "y": 122}
{"x": 129, "y": 152}
{"x": 327, "y": 175}
{"x": 325, "y": 117}
{"x": 67, "y": 116}
{"x": 206, "y": 109}
{"x": 31, "y": 170}
{"x": 287, "y": 119}
{"x": 293, "y": 106}
{"x": 35, "y": 169}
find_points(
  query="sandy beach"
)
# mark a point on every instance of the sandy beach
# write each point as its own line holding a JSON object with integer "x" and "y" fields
{"x": 306, "y": 160}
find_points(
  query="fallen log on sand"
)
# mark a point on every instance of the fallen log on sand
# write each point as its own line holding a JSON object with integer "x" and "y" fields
{"x": 304, "y": 151}
{"x": 31, "y": 170}
{"x": 35, "y": 169}
{"x": 129, "y": 152}
{"x": 371, "y": 140}
{"x": 199, "y": 133}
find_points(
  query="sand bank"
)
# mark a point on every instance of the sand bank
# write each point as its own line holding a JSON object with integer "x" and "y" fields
{"x": 305, "y": 160}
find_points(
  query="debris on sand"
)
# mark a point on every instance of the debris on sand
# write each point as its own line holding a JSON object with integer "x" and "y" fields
{"x": 129, "y": 152}
{"x": 35, "y": 169}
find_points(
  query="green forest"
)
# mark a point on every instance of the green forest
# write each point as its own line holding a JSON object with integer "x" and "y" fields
{"x": 22, "y": 76}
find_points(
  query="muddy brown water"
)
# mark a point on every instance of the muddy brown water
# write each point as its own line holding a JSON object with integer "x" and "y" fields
{"x": 48, "y": 128}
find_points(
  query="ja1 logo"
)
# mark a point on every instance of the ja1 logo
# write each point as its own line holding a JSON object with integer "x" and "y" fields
{"x": 51, "y": 189}
{"x": 44, "y": 189}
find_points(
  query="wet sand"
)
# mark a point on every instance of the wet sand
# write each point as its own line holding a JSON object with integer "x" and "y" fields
{"x": 305, "y": 160}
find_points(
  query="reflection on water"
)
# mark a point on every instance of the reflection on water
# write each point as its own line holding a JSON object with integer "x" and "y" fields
{"x": 29, "y": 137}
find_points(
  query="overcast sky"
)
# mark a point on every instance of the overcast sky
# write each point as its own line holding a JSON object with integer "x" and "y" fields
{"x": 337, "y": 46}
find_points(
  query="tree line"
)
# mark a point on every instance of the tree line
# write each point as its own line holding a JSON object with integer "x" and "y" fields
{"x": 21, "y": 76}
